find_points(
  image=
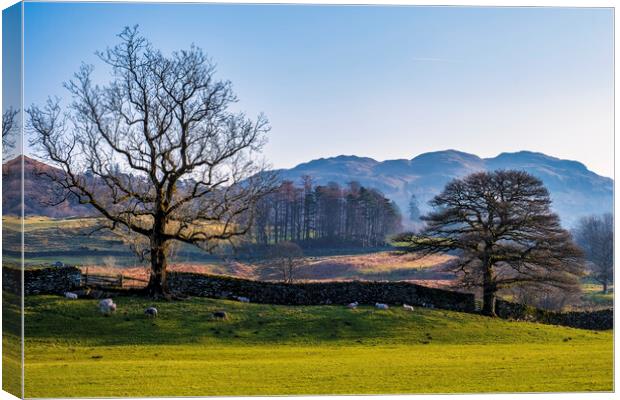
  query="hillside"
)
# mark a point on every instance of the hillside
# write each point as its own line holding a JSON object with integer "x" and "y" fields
{"x": 266, "y": 350}
{"x": 38, "y": 191}
{"x": 575, "y": 190}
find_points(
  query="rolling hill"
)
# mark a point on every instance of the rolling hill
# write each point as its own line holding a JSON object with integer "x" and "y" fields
{"x": 575, "y": 190}
{"x": 38, "y": 192}
{"x": 295, "y": 350}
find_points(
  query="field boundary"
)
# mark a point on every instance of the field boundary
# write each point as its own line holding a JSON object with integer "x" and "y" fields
{"x": 57, "y": 280}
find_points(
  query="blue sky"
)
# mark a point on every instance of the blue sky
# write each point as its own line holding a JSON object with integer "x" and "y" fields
{"x": 383, "y": 82}
{"x": 11, "y": 56}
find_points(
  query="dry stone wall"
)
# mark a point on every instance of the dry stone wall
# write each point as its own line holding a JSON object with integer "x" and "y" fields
{"x": 595, "y": 320}
{"x": 49, "y": 280}
{"x": 319, "y": 292}
{"x": 57, "y": 280}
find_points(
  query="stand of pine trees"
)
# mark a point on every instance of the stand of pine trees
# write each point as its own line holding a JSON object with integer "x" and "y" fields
{"x": 328, "y": 214}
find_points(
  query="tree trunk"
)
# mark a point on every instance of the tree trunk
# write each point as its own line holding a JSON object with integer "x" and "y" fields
{"x": 605, "y": 287}
{"x": 489, "y": 289}
{"x": 158, "y": 286}
{"x": 488, "y": 301}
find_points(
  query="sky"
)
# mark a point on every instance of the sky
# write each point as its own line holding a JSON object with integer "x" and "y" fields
{"x": 11, "y": 66}
{"x": 376, "y": 81}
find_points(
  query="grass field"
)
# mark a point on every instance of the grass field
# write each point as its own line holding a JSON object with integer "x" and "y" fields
{"x": 73, "y": 351}
{"x": 11, "y": 345}
{"x": 593, "y": 294}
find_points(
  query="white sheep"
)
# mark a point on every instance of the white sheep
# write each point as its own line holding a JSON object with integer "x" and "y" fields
{"x": 151, "y": 312}
{"x": 71, "y": 296}
{"x": 353, "y": 305}
{"x": 408, "y": 307}
{"x": 242, "y": 299}
{"x": 107, "y": 306}
{"x": 381, "y": 306}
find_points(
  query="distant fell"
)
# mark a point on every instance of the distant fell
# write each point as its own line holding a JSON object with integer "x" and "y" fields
{"x": 575, "y": 190}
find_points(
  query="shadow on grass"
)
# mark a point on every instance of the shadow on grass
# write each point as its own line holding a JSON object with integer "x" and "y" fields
{"x": 53, "y": 319}
{"x": 191, "y": 321}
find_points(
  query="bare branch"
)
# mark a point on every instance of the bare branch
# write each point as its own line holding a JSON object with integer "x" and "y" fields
{"x": 157, "y": 151}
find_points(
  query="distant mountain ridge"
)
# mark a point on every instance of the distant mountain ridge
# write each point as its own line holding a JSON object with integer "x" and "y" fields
{"x": 38, "y": 191}
{"x": 575, "y": 190}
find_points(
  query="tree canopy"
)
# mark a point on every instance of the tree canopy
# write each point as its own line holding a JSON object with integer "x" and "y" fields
{"x": 501, "y": 226}
{"x": 327, "y": 214}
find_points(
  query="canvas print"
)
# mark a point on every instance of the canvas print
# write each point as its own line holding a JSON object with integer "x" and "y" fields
{"x": 294, "y": 199}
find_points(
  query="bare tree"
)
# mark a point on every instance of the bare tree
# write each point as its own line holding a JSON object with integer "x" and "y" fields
{"x": 284, "y": 258}
{"x": 414, "y": 209}
{"x": 9, "y": 125}
{"x": 501, "y": 225}
{"x": 157, "y": 151}
{"x": 544, "y": 296}
{"x": 595, "y": 235}
{"x": 329, "y": 214}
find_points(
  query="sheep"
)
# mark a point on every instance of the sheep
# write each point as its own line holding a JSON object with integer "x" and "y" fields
{"x": 71, "y": 296}
{"x": 220, "y": 314}
{"x": 151, "y": 312}
{"x": 381, "y": 306}
{"x": 107, "y": 302}
{"x": 353, "y": 305}
{"x": 408, "y": 307}
{"x": 242, "y": 299}
{"x": 107, "y": 306}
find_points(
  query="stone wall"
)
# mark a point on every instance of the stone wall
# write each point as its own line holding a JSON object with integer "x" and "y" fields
{"x": 595, "y": 320}
{"x": 47, "y": 280}
{"x": 320, "y": 292}
{"x": 52, "y": 280}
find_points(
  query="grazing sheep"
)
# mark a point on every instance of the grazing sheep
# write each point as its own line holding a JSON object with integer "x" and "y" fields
{"x": 71, "y": 296}
{"x": 242, "y": 299}
{"x": 220, "y": 314}
{"x": 151, "y": 312}
{"x": 353, "y": 305}
{"x": 408, "y": 307}
{"x": 107, "y": 306}
{"x": 107, "y": 302}
{"x": 381, "y": 306}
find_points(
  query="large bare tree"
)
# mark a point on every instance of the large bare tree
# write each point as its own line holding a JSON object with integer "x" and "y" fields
{"x": 157, "y": 151}
{"x": 501, "y": 226}
{"x": 595, "y": 235}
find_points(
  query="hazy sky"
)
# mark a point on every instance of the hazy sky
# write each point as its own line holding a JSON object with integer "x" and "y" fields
{"x": 383, "y": 82}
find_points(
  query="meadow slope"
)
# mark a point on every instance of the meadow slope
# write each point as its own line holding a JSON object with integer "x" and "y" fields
{"x": 71, "y": 351}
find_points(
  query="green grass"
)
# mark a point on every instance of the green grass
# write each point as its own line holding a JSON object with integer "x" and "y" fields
{"x": 72, "y": 351}
{"x": 11, "y": 344}
{"x": 593, "y": 294}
